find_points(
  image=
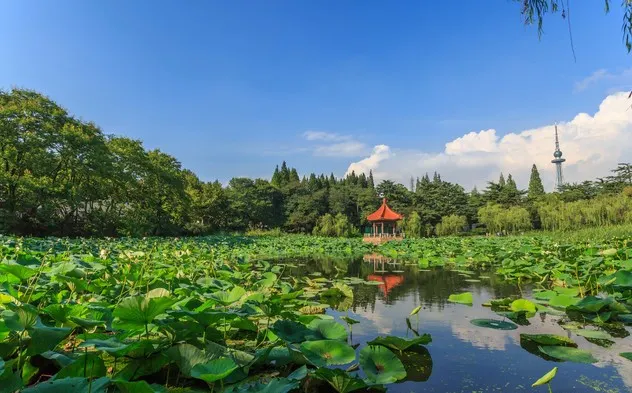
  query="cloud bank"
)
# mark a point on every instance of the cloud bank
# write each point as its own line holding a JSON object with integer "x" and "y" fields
{"x": 592, "y": 146}
{"x": 329, "y": 144}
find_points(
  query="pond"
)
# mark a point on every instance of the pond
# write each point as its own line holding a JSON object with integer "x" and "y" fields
{"x": 463, "y": 357}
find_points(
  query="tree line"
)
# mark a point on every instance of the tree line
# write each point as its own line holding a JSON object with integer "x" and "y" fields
{"x": 63, "y": 176}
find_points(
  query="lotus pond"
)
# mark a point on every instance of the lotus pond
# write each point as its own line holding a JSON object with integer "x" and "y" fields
{"x": 297, "y": 313}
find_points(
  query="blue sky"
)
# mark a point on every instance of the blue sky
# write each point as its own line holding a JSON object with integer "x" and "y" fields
{"x": 231, "y": 87}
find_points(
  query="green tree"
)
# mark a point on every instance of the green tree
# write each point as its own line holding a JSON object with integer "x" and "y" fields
{"x": 451, "y": 225}
{"x": 413, "y": 225}
{"x": 536, "y": 189}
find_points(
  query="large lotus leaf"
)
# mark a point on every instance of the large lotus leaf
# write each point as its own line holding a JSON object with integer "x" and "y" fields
{"x": 138, "y": 311}
{"x": 596, "y": 334}
{"x": 88, "y": 365}
{"x": 591, "y": 304}
{"x": 138, "y": 368}
{"x": 20, "y": 318}
{"x": 545, "y": 295}
{"x": 568, "y": 353}
{"x": 112, "y": 346}
{"x": 523, "y": 305}
{"x": 627, "y": 355}
{"x": 23, "y": 273}
{"x": 10, "y": 382}
{"x": 324, "y": 329}
{"x": 546, "y": 378}
{"x": 186, "y": 356}
{"x": 622, "y": 280}
{"x": 277, "y": 356}
{"x": 1, "y": 366}
{"x": 562, "y": 301}
{"x": 493, "y": 324}
{"x": 133, "y": 387}
{"x": 625, "y": 318}
{"x": 291, "y": 331}
{"x": 214, "y": 350}
{"x": 401, "y": 344}
{"x": 59, "y": 358}
{"x": 504, "y": 302}
{"x": 340, "y": 380}
{"x": 68, "y": 385}
{"x": 572, "y": 291}
{"x": 380, "y": 365}
{"x": 548, "y": 339}
{"x": 214, "y": 370}
{"x": 462, "y": 298}
{"x": 298, "y": 374}
{"x": 274, "y": 385}
{"x": 418, "y": 364}
{"x": 45, "y": 338}
{"x": 327, "y": 352}
{"x": 226, "y": 298}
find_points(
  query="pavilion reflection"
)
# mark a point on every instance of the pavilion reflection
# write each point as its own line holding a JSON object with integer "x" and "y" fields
{"x": 389, "y": 279}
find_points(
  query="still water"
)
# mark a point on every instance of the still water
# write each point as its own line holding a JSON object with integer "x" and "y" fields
{"x": 462, "y": 357}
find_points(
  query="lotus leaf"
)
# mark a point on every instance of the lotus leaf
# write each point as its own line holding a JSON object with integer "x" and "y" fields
{"x": 568, "y": 353}
{"x": 627, "y": 355}
{"x": 415, "y": 311}
{"x": 138, "y": 311}
{"x": 327, "y": 352}
{"x": 462, "y": 298}
{"x": 67, "y": 385}
{"x": 340, "y": 380}
{"x": 290, "y": 331}
{"x": 327, "y": 330}
{"x": 88, "y": 366}
{"x": 591, "y": 304}
{"x": 523, "y": 305}
{"x": 214, "y": 370}
{"x": 227, "y": 298}
{"x": 546, "y": 378}
{"x": 493, "y": 324}
{"x": 562, "y": 301}
{"x": 380, "y": 365}
{"x": 401, "y": 344}
{"x": 548, "y": 339}
{"x": 133, "y": 387}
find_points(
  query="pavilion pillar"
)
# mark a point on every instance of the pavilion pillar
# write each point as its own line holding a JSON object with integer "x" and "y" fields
{"x": 382, "y": 228}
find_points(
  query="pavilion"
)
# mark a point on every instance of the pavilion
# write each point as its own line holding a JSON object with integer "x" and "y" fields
{"x": 383, "y": 222}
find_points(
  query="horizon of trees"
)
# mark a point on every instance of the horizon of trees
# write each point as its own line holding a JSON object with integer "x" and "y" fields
{"x": 62, "y": 176}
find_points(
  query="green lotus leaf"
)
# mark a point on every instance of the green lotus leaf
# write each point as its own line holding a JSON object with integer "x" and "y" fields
{"x": 380, "y": 365}
{"x": 401, "y": 344}
{"x": 621, "y": 280}
{"x": 625, "y": 318}
{"x": 627, "y": 355}
{"x": 45, "y": 338}
{"x": 523, "y": 305}
{"x": 186, "y": 356}
{"x": 572, "y": 291}
{"x": 226, "y": 298}
{"x": 327, "y": 352}
{"x": 140, "y": 367}
{"x": 596, "y": 334}
{"x": 350, "y": 321}
{"x": 545, "y": 295}
{"x": 133, "y": 387}
{"x": 274, "y": 385}
{"x": 138, "y": 311}
{"x": 290, "y": 331}
{"x": 325, "y": 329}
{"x": 568, "y": 353}
{"x": 67, "y": 385}
{"x": 88, "y": 366}
{"x": 214, "y": 370}
{"x": 546, "y": 378}
{"x": 22, "y": 273}
{"x": 493, "y": 324}
{"x": 298, "y": 374}
{"x": 462, "y": 298}
{"x": 20, "y": 318}
{"x": 504, "y": 302}
{"x": 591, "y": 304}
{"x": 562, "y": 301}
{"x": 340, "y": 380}
{"x": 548, "y": 339}
{"x": 112, "y": 346}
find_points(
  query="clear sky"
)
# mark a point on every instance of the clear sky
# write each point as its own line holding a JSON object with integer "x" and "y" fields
{"x": 231, "y": 88}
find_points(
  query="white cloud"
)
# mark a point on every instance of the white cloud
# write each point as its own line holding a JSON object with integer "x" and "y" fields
{"x": 618, "y": 78}
{"x": 335, "y": 145}
{"x": 592, "y": 146}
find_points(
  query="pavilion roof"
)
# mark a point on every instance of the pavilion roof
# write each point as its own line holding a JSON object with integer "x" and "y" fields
{"x": 384, "y": 213}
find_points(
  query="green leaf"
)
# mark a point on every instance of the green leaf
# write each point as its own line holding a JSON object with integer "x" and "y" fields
{"x": 627, "y": 355}
{"x": 227, "y": 298}
{"x": 562, "y": 301}
{"x": 380, "y": 365}
{"x": 548, "y": 339}
{"x": 139, "y": 311}
{"x": 324, "y": 329}
{"x": 112, "y": 346}
{"x": 401, "y": 344}
{"x": 186, "y": 356}
{"x": 86, "y": 366}
{"x": 591, "y": 304}
{"x": 348, "y": 320}
{"x": 214, "y": 370}
{"x": 327, "y": 352}
{"x": 546, "y": 378}
{"x": 23, "y": 273}
{"x": 415, "y": 311}
{"x": 340, "y": 380}
{"x": 568, "y": 353}
{"x": 462, "y": 298}
{"x": 20, "y": 318}
{"x": 67, "y": 385}
{"x": 493, "y": 324}
{"x": 290, "y": 331}
{"x": 133, "y": 387}
{"x": 45, "y": 338}
{"x": 298, "y": 374}
{"x": 523, "y": 305}
{"x": 597, "y": 334}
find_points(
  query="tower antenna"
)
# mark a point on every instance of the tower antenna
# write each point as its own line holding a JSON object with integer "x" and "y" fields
{"x": 558, "y": 160}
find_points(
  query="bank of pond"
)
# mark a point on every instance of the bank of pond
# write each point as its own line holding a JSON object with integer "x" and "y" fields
{"x": 308, "y": 314}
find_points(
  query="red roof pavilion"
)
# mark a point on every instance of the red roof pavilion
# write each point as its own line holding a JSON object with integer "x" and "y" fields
{"x": 384, "y": 215}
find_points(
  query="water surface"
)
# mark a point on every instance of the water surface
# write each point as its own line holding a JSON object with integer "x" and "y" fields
{"x": 463, "y": 357}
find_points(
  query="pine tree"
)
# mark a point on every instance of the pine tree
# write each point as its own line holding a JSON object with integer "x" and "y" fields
{"x": 371, "y": 181}
{"x": 536, "y": 189}
{"x": 276, "y": 177}
{"x": 511, "y": 184}
{"x": 501, "y": 181}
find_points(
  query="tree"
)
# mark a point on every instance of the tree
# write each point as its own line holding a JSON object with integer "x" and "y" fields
{"x": 534, "y": 12}
{"x": 451, "y": 225}
{"x": 412, "y": 225}
{"x": 536, "y": 189}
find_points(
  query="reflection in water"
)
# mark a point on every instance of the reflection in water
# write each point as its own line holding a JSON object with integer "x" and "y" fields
{"x": 463, "y": 357}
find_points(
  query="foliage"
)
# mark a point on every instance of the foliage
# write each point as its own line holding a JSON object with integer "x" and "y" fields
{"x": 498, "y": 219}
{"x": 536, "y": 189}
{"x": 338, "y": 226}
{"x": 451, "y": 225}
